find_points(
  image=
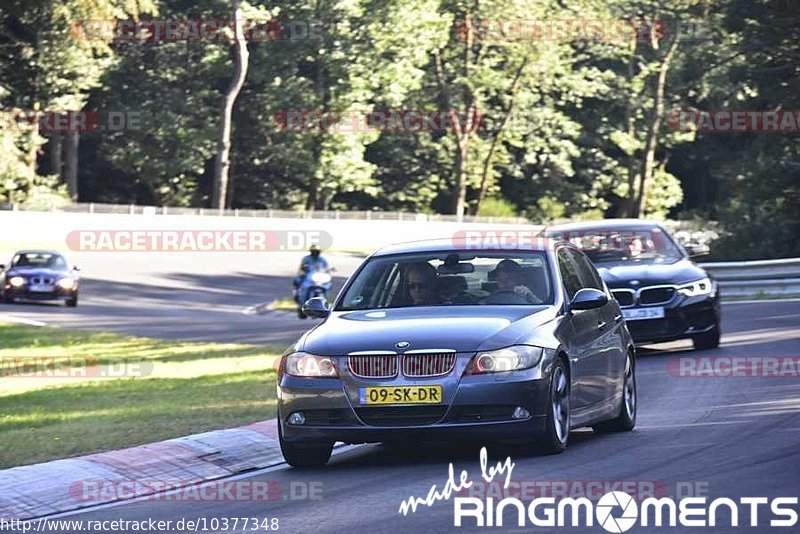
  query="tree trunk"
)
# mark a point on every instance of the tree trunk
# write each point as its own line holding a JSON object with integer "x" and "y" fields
{"x": 488, "y": 162}
{"x": 219, "y": 194}
{"x": 648, "y": 165}
{"x": 630, "y": 125}
{"x": 56, "y": 150}
{"x": 33, "y": 149}
{"x": 460, "y": 197}
{"x": 71, "y": 167}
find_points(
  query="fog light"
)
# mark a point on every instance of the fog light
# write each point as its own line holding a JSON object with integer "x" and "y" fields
{"x": 520, "y": 413}
{"x": 297, "y": 418}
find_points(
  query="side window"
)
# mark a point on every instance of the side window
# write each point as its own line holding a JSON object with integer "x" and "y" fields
{"x": 586, "y": 272}
{"x": 569, "y": 274}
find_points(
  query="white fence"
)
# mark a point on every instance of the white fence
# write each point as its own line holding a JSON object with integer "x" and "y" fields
{"x": 763, "y": 278}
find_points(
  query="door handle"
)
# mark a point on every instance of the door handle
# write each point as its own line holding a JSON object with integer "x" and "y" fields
{"x": 617, "y": 318}
{"x": 601, "y": 325}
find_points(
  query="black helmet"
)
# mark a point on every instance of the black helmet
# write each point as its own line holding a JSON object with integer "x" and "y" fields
{"x": 314, "y": 250}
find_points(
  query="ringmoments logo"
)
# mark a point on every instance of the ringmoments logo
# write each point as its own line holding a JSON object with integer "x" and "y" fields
{"x": 617, "y": 511}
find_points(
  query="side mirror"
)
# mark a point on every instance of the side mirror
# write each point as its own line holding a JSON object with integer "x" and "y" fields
{"x": 316, "y": 307}
{"x": 588, "y": 299}
{"x": 697, "y": 250}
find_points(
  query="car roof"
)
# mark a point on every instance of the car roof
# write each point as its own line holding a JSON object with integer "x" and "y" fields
{"x": 603, "y": 224}
{"x": 532, "y": 242}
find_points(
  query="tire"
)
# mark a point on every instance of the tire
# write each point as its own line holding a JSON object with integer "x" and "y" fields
{"x": 708, "y": 340}
{"x": 72, "y": 302}
{"x": 625, "y": 420}
{"x": 556, "y": 435}
{"x": 304, "y": 455}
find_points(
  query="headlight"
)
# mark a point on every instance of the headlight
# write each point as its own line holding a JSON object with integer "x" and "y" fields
{"x": 67, "y": 283}
{"x": 695, "y": 289}
{"x": 320, "y": 278}
{"x": 309, "y": 365}
{"x": 16, "y": 281}
{"x": 512, "y": 358}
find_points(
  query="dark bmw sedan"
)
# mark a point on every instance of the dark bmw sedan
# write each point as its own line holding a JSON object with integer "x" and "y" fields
{"x": 39, "y": 275}
{"x": 664, "y": 296}
{"x": 436, "y": 340}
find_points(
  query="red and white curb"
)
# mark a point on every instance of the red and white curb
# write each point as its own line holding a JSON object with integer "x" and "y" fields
{"x": 38, "y": 490}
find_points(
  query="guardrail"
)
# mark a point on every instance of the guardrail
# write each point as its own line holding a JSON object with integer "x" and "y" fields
{"x": 757, "y": 279}
{"x": 133, "y": 209}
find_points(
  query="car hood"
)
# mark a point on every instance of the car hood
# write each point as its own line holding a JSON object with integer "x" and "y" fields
{"x": 649, "y": 273}
{"x": 462, "y": 328}
{"x": 30, "y": 271}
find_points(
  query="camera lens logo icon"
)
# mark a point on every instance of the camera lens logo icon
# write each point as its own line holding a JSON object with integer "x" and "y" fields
{"x": 612, "y": 503}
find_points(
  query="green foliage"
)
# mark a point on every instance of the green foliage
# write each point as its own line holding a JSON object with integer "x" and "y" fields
{"x": 564, "y": 127}
{"x": 497, "y": 207}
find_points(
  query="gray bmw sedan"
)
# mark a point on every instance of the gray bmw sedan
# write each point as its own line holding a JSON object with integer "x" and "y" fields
{"x": 450, "y": 339}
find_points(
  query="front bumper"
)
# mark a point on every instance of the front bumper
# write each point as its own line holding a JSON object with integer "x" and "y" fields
{"x": 23, "y": 292}
{"x": 685, "y": 318}
{"x": 481, "y": 409}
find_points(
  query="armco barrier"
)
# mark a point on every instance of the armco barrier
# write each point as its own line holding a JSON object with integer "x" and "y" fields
{"x": 762, "y": 278}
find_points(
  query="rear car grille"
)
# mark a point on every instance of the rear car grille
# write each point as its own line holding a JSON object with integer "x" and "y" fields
{"x": 624, "y": 297}
{"x": 656, "y": 295}
{"x": 401, "y": 415}
{"x": 373, "y": 365}
{"x": 422, "y": 365}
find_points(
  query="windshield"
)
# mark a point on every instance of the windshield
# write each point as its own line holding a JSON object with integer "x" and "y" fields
{"x": 30, "y": 259}
{"x": 450, "y": 279}
{"x": 604, "y": 245}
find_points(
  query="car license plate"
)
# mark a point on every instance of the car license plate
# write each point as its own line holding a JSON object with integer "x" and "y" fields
{"x": 40, "y": 288}
{"x": 401, "y": 395}
{"x": 637, "y": 314}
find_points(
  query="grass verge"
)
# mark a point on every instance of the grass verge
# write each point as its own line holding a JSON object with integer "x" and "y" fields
{"x": 67, "y": 393}
{"x": 286, "y": 304}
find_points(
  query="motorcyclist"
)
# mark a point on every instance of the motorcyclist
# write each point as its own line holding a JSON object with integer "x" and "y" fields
{"x": 313, "y": 261}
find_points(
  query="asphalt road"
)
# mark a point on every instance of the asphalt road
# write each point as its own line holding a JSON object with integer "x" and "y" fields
{"x": 184, "y": 296}
{"x": 722, "y": 437}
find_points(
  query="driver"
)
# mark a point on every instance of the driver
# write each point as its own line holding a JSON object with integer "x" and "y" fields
{"x": 511, "y": 288}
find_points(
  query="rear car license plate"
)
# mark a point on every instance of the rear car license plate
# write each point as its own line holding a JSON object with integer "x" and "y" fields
{"x": 637, "y": 314}
{"x": 400, "y": 395}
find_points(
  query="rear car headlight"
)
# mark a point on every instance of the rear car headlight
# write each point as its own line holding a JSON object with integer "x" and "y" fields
{"x": 695, "y": 289}
{"x": 67, "y": 283}
{"x": 309, "y": 365}
{"x": 16, "y": 281}
{"x": 514, "y": 358}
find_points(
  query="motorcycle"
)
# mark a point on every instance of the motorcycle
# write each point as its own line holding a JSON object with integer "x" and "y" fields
{"x": 315, "y": 283}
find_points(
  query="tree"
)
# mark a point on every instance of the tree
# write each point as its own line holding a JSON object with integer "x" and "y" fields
{"x": 222, "y": 165}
